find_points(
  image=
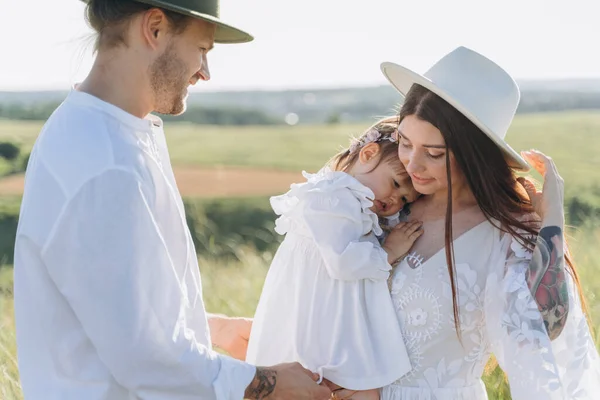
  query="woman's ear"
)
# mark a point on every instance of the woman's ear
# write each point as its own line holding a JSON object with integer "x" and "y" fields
{"x": 369, "y": 152}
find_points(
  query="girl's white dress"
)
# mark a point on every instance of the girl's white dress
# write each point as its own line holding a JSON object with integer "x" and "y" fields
{"x": 325, "y": 301}
{"x": 498, "y": 315}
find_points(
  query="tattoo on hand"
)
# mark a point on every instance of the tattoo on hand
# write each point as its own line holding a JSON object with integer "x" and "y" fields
{"x": 546, "y": 279}
{"x": 263, "y": 384}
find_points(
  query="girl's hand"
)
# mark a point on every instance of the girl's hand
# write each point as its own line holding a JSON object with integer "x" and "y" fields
{"x": 401, "y": 239}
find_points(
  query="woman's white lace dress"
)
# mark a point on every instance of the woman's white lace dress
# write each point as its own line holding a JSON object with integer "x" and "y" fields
{"x": 498, "y": 315}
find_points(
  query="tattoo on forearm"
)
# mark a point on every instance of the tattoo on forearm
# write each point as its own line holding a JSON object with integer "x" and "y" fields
{"x": 263, "y": 384}
{"x": 546, "y": 279}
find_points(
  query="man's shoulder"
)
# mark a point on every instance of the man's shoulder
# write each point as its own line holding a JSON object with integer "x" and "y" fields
{"x": 78, "y": 143}
{"x": 71, "y": 122}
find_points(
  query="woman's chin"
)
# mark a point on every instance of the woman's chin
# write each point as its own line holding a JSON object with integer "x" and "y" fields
{"x": 427, "y": 189}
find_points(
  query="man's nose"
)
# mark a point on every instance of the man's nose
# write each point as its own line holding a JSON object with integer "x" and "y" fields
{"x": 204, "y": 72}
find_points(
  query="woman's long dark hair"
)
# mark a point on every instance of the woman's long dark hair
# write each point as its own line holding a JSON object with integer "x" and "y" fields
{"x": 493, "y": 183}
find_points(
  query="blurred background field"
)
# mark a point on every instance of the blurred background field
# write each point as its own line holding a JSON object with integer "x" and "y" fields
{"x": 226, "y": 174}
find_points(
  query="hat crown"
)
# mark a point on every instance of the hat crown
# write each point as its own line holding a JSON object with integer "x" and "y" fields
{"x": 480, "y": 86}
{"x": 207, "y": 10}
{"x": 209, "y": 7}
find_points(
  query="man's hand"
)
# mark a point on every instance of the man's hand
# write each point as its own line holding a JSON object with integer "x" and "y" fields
{"x": 230, "y": 334}
{"x": 286, "y": 382}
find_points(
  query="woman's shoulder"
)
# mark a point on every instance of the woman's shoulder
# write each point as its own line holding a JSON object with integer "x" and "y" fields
{"x": 524, "y": 227}
{"x": 516, "y": 242}
{"x": 530, "y": 219}
{"x": 520, "y": 223}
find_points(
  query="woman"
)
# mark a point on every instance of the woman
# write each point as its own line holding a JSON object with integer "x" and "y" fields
{"x": 470, "y": 285}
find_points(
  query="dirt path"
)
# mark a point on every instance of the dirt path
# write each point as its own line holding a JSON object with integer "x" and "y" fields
{"x": 206, "y": 182}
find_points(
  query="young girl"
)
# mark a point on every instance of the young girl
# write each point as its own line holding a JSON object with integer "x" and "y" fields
{"x": 325, "y": 301}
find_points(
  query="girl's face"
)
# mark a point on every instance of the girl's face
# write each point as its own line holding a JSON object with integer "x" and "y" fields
{"x": 387, "y": 179}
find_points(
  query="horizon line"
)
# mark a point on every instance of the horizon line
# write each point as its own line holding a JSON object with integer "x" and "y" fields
{"x": 293, "y": 88}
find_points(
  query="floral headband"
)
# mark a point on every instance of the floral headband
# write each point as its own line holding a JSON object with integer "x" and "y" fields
{"x": 372, "y": 136}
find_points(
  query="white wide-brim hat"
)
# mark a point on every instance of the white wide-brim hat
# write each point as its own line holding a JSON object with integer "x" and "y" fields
{"x": 476, "y": 86}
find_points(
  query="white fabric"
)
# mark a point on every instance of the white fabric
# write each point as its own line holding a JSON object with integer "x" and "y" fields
{"x": 325, "y": 301}
{"x": 108, "y": 297}
{"x": 498, "y": 316}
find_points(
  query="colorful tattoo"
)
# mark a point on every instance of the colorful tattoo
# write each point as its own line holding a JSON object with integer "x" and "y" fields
{"x": 263, "y": 384}
{"x": 546, "y": 279}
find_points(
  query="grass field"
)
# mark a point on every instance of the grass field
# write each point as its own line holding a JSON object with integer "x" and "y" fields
{"x": 233, "y": 288}
{"x": 571, "y": 139}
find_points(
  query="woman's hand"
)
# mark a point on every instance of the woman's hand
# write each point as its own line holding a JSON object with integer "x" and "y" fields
{"x": 339, "y": 393}
{"x": 345, "y": 394}
{"x": 548, "y": 203}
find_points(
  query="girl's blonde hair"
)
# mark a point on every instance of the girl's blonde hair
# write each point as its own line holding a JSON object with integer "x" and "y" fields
{"x": 387, "y": 128}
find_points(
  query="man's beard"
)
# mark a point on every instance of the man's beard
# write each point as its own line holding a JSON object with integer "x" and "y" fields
{"x": 169, "y": 82}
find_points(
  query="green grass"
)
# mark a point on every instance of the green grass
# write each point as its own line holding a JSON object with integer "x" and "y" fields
{"x": 584, "y": 244}
{"x": 569, "y": 137}
{"x": 10, "y": 389}
{"x": 233, "y": 288}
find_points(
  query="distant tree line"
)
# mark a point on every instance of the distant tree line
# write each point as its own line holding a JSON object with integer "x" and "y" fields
{"x": 223, "y": 116}
{"x": 195, "y": 115}
{"x": 347, "y": 106}
{"x": 33, "y": 112}
{"x": 545, "y": 101}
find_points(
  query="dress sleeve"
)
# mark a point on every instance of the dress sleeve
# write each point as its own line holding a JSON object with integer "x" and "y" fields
{"x": 339, "y": 227}
{"x": 537, "y": 367}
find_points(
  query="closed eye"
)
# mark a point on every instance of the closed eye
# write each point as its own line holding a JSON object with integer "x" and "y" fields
{"x": 435, "y": 156}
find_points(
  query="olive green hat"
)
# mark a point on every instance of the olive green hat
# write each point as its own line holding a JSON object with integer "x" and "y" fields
{"x": 207, "y": 10}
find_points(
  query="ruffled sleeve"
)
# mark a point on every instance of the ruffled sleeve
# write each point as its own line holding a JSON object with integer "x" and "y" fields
{"x": 537, "y": 368}
{"x": 333, "y": 209}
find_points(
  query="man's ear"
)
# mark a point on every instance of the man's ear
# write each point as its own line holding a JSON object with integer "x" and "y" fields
{"x": 154, "y": 27}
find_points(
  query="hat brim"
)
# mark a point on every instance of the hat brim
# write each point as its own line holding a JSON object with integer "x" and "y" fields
{"x": 224, "y": 34}
{"x": 403, "y": 78}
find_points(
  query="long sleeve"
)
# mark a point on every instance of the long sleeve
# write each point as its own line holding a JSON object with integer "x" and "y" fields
{"x": 110, "y": 260}
{"x": 537, "y": 368}
{"x": 338, "y": 227}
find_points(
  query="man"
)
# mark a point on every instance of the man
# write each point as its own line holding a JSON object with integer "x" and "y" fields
{"x": 108, "y": 296}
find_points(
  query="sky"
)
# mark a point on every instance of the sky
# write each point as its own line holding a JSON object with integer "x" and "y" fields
{"x": 46, "y": 45}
